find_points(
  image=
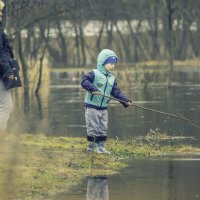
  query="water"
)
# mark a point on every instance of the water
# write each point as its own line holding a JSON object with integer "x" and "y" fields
{"x": 172, "y": 179}
{"x": 64, "y": 107}
{"x": 175, "y": 179}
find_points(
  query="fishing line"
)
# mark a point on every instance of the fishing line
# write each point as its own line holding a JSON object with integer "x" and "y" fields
{"x": 157, "y": 111}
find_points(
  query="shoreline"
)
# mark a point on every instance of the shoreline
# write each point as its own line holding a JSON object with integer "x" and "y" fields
{"x": 185, "y": 65}
{"x": 39, "y": 166}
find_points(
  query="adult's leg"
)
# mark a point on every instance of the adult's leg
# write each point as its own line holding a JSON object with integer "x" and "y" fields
{"x": 5, "y": 107}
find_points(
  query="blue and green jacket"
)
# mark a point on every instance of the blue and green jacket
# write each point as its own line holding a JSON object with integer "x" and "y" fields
{"x": 102, "y": 81}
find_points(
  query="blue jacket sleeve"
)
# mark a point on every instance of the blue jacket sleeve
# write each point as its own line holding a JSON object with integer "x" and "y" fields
{"x": 117, "y": 93}
{"x": 87, "y": 81}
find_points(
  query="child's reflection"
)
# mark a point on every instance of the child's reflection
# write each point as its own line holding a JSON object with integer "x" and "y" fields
{"x": 97, "y": 188}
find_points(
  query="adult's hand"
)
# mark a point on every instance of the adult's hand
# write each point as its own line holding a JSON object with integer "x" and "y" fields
{"x": 11, "y": 77}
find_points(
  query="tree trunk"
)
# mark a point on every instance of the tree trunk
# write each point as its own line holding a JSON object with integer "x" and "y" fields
{"x": 184, "y": 39}
{"x": 82, "y": 41}
{"x": 154, "y": 34}
{"x": 77, "y": 46}
{"x": 170, "y": 41}
{"x": 109, "y": 29}
{"x": 98, "y": 42}
{"x": 40, "y": 72}
{"x": 25, "y": 74}
{"x": 126, "y": 47}
{"x": 136, "y": 45}
{"x": 63, "y": 44}
{"x": 7, "y": 16}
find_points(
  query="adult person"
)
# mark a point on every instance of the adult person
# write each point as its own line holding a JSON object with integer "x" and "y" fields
{"x": 5, "y": 71}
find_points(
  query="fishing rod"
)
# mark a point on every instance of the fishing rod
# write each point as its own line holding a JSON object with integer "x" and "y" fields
{"x": 157, "y": 111}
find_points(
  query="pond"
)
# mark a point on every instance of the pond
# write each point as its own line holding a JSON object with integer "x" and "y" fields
{"x": 63, "y": 110}
{"x": 170, "y": 179}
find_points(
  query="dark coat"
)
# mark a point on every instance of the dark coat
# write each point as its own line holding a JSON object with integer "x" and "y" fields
{"x": 5, "y": 55}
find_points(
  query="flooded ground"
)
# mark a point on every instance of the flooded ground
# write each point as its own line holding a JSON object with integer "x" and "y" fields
{"x": 171, "y": 179}
{"x": 62, "y": 114}
{"x": 63, "y": 111}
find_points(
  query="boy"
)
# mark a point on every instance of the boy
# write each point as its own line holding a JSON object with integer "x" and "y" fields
{"x": 101, "y": 81}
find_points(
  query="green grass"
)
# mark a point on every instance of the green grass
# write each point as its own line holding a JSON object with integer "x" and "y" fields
{"x": 34, "y": 167}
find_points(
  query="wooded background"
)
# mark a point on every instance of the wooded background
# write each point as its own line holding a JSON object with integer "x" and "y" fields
{"x": 70, "y": 33}
{"x": 138, "y": 30}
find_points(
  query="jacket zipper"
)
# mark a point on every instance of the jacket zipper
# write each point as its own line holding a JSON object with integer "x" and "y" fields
{"x": 104, "y": 91}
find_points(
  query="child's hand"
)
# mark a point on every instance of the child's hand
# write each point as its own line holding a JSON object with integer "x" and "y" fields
{"x": 95, "y": 93}
{"x": 129, "y": 103}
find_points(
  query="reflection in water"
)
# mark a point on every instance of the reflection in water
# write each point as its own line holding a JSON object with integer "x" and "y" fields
{"x": 176, "y": 179}
{"x": 97, "y": 188}
{"x": 171, "y": 181}
{"x": 157, "y": 180}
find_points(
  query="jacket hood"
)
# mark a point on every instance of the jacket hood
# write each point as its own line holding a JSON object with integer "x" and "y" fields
{"x": 102, "y": 57}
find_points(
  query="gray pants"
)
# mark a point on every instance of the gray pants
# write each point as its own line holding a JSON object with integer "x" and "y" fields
{"x": 5, "y": 106}
{"x": 96, "y": 122}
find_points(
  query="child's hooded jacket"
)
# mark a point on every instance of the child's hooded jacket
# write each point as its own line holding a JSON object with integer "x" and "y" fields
{"x": 102, "y": 81}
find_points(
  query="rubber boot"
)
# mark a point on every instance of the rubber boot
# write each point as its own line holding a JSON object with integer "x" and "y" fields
{"x": 93, "y": 147}
{"x": 102, "y": 148}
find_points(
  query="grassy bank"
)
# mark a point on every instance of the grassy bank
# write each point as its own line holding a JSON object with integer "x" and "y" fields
{"x": 35, "y": 167}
